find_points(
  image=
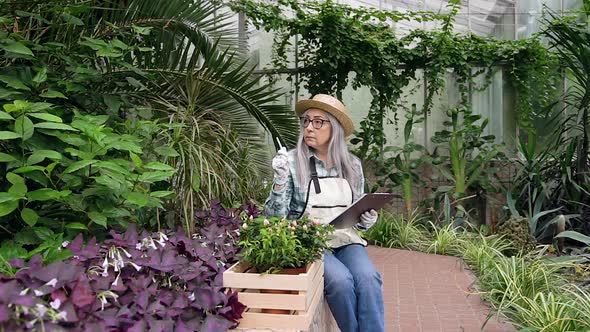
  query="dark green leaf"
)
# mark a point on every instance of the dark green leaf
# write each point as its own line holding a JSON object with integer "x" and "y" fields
{"x": 24, "y": 127}
{"x": 136, "y": 198}
{"x": 14, "y": 82}
{"x": 79, "y": 165}
{"x": 8, "y": 197}
{"x": 162, "y": 194}
{"x": 7, "y": 207}
{"x": 40, "y": 155}
{"x": 98, "y": 218}
{"x": 76, "y": 225}
{"x": 47, "y": 194}
{"x": 4, "y": 158}
{"x": 53, "y": 94}
{"x": 53, "y": 125}
{"x": 5, "y": 116}
{"x": 26, "y": 169}
{"x": 166, "y": 151}
{"x": 17, "y": 48}
{"x": 150, "y": 177}
{"x": 29, "y": 216}
{"x": 159, "y": 166}
{"x": 41, "y": 76}
{"x": 46, "y": 117}
{"x": 13, "y": 178}
{"x": 8, "y": 135}
{"x": 19, "y": 189}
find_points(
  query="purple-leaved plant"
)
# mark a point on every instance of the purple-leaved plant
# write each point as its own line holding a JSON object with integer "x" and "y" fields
{"x": 134, "y": 281}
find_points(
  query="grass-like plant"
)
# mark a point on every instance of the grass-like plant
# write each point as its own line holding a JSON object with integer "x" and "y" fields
{"x": 480, "y": 251}
{"x": 509, "y": 280}
{"x": 395, "y": 231}
{"x": 446, "y": 240}
{"x": 548, "y": 312}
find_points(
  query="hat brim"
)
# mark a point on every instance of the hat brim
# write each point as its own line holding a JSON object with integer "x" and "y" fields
{"x": 342, "y": 117}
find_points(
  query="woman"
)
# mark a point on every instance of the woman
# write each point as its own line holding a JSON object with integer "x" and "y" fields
{"x": 319, "y": 179}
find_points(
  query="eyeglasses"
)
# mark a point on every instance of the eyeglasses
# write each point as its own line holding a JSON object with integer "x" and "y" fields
{"x": 316, "y": 123}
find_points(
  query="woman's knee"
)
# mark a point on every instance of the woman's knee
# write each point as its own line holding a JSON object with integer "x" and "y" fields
{"x": 338, "y": 281}
{"x": 368, "y": 277}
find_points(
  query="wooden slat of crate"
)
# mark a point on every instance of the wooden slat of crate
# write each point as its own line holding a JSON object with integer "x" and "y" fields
{"x": 317, "y": 280}
{"x": 253, "y": 299}
{"x": 234, "y": 278}
{"x": 300, "y": 320}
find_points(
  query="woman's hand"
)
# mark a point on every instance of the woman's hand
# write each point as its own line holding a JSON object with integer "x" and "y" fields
{"x": 368, "y": 219}
{"x": 280, "y": 166}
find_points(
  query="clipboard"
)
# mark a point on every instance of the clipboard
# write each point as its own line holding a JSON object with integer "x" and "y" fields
{"x": 352, "y": 215}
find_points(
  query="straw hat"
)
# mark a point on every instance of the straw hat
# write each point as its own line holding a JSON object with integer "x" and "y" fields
{"x": 327, "y": 104}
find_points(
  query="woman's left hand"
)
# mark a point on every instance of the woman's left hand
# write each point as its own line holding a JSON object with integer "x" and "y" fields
{"x": 368, "y": 219}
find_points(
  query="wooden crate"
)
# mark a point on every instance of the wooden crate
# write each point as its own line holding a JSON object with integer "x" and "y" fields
{"x": 302, "y": 305}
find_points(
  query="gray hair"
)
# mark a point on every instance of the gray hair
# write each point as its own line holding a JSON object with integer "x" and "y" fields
{"x": 338, "y": 155}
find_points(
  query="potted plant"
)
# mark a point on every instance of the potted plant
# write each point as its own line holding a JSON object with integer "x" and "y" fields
{"x": 280, "y": 276}
{"x": 275, "y": 245}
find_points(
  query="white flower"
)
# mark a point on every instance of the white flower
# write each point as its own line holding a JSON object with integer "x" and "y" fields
{"x": 52, "y": 282}
{"x": 126, "y": 253}
{"x": 137, "y": 267}
{"x": 116, "y": 282}
{"x": 24, "y": 292}
{"x": 191, "y": 296}
{"x": 62, "y": 315}
{"x": 41, "y": 310}
{"x": 105, "y": 264}
{"x": 65, "y": 244}
{"x": 244, "y": 225}
{"x": 103, "y": 301}
{"x": 38, "y": 292}
{"x": 266, "y": 222}
{"x": 138, "y": 246}
{"x": 55, "y": 304}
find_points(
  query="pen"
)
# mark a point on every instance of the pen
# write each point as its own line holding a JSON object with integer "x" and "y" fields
{"x": 279, "y": 141}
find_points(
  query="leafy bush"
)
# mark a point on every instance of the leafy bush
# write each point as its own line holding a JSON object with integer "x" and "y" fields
{"x": 132, "y": 282}
{"x": 274, "y": 244}
{"x": 67, "y": 172}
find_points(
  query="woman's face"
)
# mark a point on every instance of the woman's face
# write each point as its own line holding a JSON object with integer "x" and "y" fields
{"x": 318, "y": 139}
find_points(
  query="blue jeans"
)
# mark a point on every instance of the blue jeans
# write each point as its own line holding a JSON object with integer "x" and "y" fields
{"x": 354, "y": 290}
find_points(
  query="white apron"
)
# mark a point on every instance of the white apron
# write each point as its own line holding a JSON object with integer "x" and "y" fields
{"x": 334, "y": 196}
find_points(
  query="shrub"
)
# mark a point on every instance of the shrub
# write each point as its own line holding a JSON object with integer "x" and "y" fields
{"x": 133, "y": 282}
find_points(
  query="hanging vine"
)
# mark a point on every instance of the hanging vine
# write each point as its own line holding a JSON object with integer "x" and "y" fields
{"x": 336, "y": 40}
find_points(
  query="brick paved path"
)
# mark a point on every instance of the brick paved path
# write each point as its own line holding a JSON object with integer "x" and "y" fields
{"x": 427, "y": 293}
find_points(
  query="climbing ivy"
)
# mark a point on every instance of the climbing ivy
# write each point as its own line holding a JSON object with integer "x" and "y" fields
{"x": 335, "y": 40}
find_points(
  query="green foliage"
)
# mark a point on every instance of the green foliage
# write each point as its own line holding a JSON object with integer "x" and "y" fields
{"x": 142, "y": 61}
{"x": 479, "y": 251}
{"x": 71, "y": 171}
{"x": 404, "y": 161}
{"x": 445, "y": 240}
{"x": 470, "y": 152}
{"x": 397, "y": 232}
{"x": 273, "y": 244}
{"x": 335, "y": 40}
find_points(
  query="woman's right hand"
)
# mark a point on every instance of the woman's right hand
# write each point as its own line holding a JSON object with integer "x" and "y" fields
{"x": 280, "y": 166}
